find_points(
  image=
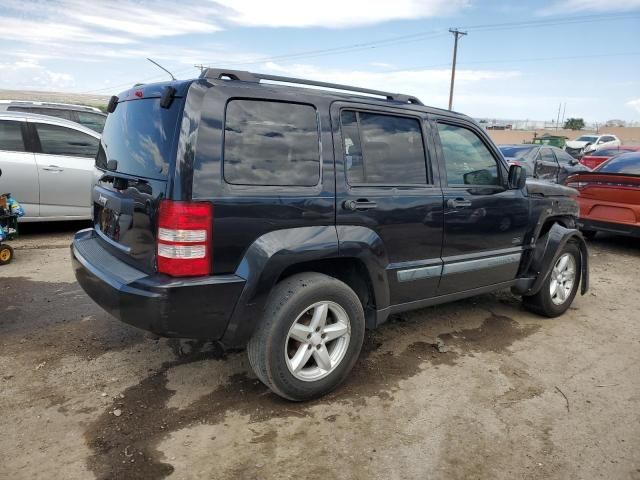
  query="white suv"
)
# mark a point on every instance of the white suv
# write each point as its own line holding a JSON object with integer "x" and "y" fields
{"x": 588, "y": 143}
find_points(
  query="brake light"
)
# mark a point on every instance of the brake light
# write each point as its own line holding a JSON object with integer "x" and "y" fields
{"x": 184, "y": 238}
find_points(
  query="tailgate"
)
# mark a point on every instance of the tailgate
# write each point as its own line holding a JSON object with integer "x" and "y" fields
{"x": 136, "y": 155}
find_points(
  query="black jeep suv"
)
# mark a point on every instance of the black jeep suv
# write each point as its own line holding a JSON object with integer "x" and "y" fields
{"x": 247, "y": 209}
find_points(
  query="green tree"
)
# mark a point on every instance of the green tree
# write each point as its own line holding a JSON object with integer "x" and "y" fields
{"x": 574, "y": 124}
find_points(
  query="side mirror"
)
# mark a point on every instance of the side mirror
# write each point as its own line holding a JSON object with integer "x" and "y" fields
{"x": 517, "y": 177}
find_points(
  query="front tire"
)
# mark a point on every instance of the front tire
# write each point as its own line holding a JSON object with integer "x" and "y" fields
{"x": 561, "y": 285}
{"x": 309, "y": 338}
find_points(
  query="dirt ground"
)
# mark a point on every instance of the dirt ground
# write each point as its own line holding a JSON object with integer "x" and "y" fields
{"x": 513, "y": 396}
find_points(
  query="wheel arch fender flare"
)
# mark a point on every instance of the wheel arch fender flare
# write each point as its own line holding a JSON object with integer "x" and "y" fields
{"x": 272, "y": 253}
{"x": 547, "y": 251}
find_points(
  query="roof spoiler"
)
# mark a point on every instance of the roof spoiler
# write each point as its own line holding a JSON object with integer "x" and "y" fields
{"x": 244, "y": 76}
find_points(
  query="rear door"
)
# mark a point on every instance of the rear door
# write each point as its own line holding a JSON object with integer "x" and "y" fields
{"x": 547, "y": 167}
{"x": 65, "y": 158}
{"x": 384, "y": 182}
{"x": 484, "y": 222}
{"x": 19, "y": 175}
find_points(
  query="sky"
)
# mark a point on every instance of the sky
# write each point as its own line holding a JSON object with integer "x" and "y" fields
{"x": 520, "y": 59}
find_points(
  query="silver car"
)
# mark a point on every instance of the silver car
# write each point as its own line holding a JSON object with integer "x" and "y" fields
{"x": 48, "y": 165}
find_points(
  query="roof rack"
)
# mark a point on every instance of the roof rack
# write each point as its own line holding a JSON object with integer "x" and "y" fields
{"x": 244, "y": 76}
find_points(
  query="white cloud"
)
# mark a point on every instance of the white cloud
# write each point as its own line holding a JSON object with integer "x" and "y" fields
{"x": 29, "y": 75}
{"x": 334, "y": 13}
{"x": 574, "y": 6}
{"x": 43, "y": 31}
{"x": 635, "y": 104}
{"x": 158, "y": 19}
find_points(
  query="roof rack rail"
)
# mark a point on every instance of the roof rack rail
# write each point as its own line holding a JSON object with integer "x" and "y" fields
{"x": 244, "y": 76}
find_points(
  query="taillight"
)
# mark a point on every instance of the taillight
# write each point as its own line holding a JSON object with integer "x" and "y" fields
{"x": 577, "y": 185}
{"x": 184, "y": 238}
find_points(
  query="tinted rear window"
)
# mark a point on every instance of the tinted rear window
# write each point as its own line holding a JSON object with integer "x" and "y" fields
{"x": 605, "y": 152}
{"x": 11, "y": 136}
{"x": 94, "y": 121}
{"x": 628, "y": 163}
{"x": 139, "y": 134}
{"x": 271, "y": 143}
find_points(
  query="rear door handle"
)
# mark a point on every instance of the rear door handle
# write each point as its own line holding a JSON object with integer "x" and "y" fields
{"x": 355, "y": 205}
{"x": 458, "y": 203}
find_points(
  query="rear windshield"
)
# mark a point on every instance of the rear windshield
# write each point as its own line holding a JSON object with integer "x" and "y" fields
{"x": 139, "y": 135}
{"x": 515, "y": 152}
{"x": 628, "y": 163}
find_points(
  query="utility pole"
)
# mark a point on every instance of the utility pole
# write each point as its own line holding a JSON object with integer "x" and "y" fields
{"x": 564, "y": 109}
{"x": 201, "y": 67}
{"x": 558, "y": 117}
{"x": 457, "y": 34}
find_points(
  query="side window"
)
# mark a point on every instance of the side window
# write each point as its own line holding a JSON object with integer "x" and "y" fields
{"x": 546, "y": 154}
{"x": 563, "y": 157}
{"x": 271, "y": 143}
{"x": 383, "y": 149}
{"x": 11, "y": 136}
{"x": 56, "y": 140}
{"x": 468, "y": 160}
{"x": 90, "y": 120}
{"x": 52, "y": 112}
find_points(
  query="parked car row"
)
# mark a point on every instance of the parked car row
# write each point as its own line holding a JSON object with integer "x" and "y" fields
{"x": 542, "y": 162}
{"x": 607, "y": 179}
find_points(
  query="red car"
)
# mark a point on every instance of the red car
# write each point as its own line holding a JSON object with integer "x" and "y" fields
{"x": 603, "y": 154}
{"x": 609, "y": 196}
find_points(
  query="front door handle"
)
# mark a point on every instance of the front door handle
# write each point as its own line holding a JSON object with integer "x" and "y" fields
{"x": 362, "y": 204}
{"x": 458, "y": 203}
{"x": 53, "y": 168}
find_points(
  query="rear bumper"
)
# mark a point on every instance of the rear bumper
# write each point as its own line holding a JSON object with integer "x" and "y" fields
{"x": 610, "y": 227}
{"x": 185, "y": 307}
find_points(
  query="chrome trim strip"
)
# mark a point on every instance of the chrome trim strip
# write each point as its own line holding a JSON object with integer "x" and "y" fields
{"x": 481, "y": 263}
{"x": 419, "y": 273}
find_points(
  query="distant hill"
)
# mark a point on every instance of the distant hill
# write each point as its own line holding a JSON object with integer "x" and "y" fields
{"x": 60, "y": 97}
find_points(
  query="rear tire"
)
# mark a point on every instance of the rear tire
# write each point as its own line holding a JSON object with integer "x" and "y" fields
{"x": 6, "y": 254}
{"x": 309, "y": 338}
{"x": 559, "y": 288}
